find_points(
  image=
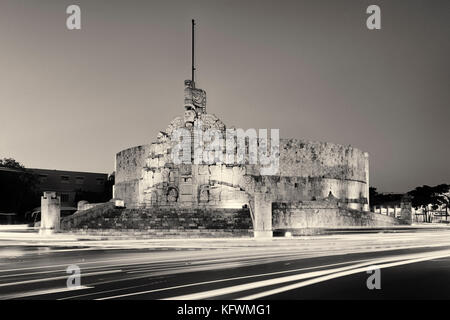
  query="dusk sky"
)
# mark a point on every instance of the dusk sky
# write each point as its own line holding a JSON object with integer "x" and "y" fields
{"x": 72, "y": 99}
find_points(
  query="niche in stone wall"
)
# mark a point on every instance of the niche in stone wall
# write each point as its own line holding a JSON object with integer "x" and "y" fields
{"x": 172, "y": 195}
{"x": 203, "y": 194}
{"x": 153, "y": 198}
{"x": 172, "y": 176}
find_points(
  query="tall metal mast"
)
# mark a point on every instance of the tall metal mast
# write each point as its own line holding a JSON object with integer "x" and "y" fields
{"x": 193, "y": 60}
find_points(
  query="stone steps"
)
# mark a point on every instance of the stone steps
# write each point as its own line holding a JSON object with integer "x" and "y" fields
{"x": 161, "y": 220}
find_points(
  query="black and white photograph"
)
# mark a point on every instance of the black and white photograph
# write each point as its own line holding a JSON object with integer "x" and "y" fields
{"x": 224, "y": 158}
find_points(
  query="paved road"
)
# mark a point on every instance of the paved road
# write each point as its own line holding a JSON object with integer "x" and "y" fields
{"x": 412, "y": 265}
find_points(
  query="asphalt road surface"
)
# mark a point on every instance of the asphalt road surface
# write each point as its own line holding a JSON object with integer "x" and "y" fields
{"x": 411, "y": 265}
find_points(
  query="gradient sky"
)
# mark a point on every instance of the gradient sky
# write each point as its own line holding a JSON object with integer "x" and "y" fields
{"x": 71, "y": 100}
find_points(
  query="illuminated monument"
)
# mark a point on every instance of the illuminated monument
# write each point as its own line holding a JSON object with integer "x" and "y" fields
{"x": 317, "y": 185}
{"x": 314, "y": 178}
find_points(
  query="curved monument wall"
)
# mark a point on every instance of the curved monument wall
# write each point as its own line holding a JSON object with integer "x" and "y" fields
{"x": 295, "y": 216}
{"x": 129, "y": 164}
{"x": 308, "y": 171}
{"x": 323, "y": 168}
{"x": 321, "y": 159}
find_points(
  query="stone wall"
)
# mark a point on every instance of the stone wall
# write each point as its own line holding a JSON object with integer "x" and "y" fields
{"x": 128, "y": 192}
{"x": 129, "y": 163}
{"x": 128, "y": 169}
{"x": 301, "y": 158}
{"x": 308, "y": 171}
{"x": 319, "y": 168}
{"x": 324, "y": 214}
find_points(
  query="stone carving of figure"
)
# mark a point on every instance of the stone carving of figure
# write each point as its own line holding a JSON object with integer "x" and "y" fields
{"x": 172, "y": 195}
{"x": 194, "y": 97}
{"x": 204, "y": 194}
{"x": 189, "y": 118}
{"x": 199, "y": 99}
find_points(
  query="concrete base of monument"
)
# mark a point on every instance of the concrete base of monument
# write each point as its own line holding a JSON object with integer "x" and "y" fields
{"x": 276, "y": 220}
{"x": 263, "y": 234}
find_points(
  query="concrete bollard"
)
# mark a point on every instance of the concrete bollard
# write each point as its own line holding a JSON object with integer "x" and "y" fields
{"x": 50, "y": 213}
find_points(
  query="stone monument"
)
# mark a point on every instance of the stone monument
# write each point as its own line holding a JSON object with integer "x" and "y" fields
{"x": 50, "y": 213}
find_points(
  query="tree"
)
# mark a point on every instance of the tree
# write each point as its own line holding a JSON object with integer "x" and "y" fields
{"x": 442, "y": 197}
{"x": 17, "y": 187}
{"x": 426, "y": 196}
{"x": 376, "y": 198}
{"x": 373, "y": 194}
{"x": 11, "y": 164}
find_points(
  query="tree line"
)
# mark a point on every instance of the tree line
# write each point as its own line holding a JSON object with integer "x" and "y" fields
{"x": 427, "y": 198}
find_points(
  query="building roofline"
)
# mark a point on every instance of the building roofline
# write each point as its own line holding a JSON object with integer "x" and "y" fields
{"x": 11, "y": 169}
{"x": 67, "y": 171}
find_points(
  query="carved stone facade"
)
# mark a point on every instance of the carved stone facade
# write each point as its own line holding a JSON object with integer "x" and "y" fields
{"x": 163, "y": 183}
{"x": 147, "y": 177}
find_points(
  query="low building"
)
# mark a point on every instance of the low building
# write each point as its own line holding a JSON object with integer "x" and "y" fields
{"x": 72, "y": 186}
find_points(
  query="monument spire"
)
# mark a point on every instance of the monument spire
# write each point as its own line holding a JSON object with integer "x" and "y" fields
{"x": 193, "y": 56}
{"x": 194, "y": 98}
